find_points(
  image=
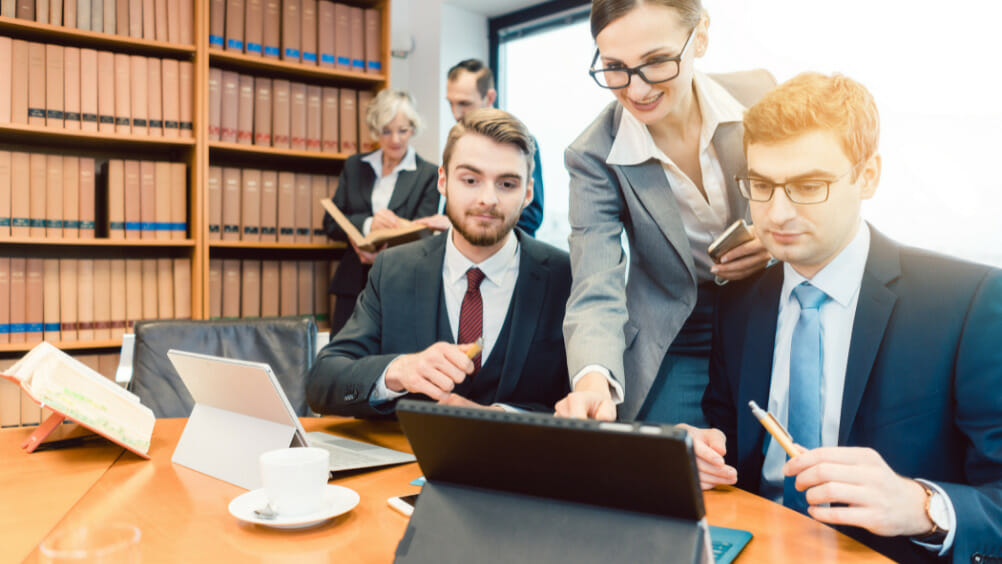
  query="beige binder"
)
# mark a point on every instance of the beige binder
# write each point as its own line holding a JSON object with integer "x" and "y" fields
{"x": 118, "y": 290}
{"x": 298, "y": 116}
{"x": 325, "y": 33}
{"x": 18, "y": 298}
{"x": 155, "y": 93}
{"x": 269, "y": 206}
{"x": 373, "y": 41}
{"x": 314, "y": 117}
{"x": 272, "y": 28}
{"x": 215, "y": 190}
{"x": 50, "y": 300}
{"x": 250, "y": 289}
{"x": 4, "y": 311}
{"x": 36, "y": 84}
{"x": 235, "y": 25}
{"x": 71, "y": 87}
{"x": 123, "y": 96}
{"x": 231, "y": 106}
{"x": 366, "y": 143}
{"x": 172, "y": 103}
{"x": 165, "y": 288}
{"x": 133, "y": 292}
{"x": 106, "y": 88}
{"x": 54, "y": 86}
{"x": 37, "y": 186}
{"x": 178, "y": 201}
{"x": 182, "y": 288}
{"x": 231, "y": 204}
{"x": 289, "y": 274}
{"x": 304, "y": 294}
{"x": 186, "y": 101}
{"x": 33, "y": 309}
{"x": 54, "y": 196}
{"x": 231, "y": 289}
{"x": 270, "y": 288}
{"x": 217, "y": 24}
{"x": 342, "y": 36}
{"x": 85, "y": 299}
{"x": 286, "y": 207}
{"x": 133, "y": 209}
{"x": 140, "y": 101}
{"x": 102, "y": 298}
{"x": 19, "y": 81}
{"x": 164, "y": 187}
{"x": 245, "y": 110}
{"x": 6, "y": 77}
{"x": 348, "y": 120}
{"x": 262, "y": 111}
{"x": 88, "y": 206}
{"x": 147, "y": 200}
{"x": 5, "y": 202}
{"x": 68, "y": 299}
{"x": 160, "y": 19}
{"x": 71, "y": 197}
{"x": 308, "y": 32}
{"x": 215, "y": 288}
{"x": 304, "y": 215}
{"x": 215, "y": 104}
{"x": 254, "y": 27}
{"x": 151, "y": 301}
{"x": 250, "y": 198}
{"x": 356, "y": 20}
{"x": 291, "y": 22}
{"x": 89, "y": 90}
{"x": 330, "y": 113}
{"x": 281, "y": 113}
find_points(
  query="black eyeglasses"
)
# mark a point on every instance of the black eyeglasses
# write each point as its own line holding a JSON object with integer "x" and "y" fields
{"x": 808, "y": 191}
{"x": 661, "y": 69}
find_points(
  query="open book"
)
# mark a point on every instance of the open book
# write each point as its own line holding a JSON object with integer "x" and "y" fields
{"x": 72, "y": 390}
{"x": 409, "y": 232}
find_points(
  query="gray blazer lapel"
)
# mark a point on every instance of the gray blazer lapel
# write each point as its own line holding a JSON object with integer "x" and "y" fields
{"x": 873, "y": 311}
{"x": 731, "y": 155}
{"x": 524, "y": 310}
{"x": 649, "y": 183}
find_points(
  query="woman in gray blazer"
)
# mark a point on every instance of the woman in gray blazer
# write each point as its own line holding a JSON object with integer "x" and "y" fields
{"x": 658, "y": 163}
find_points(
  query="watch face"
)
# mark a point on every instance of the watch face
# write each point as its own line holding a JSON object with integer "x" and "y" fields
{"x": 938, "y": 511}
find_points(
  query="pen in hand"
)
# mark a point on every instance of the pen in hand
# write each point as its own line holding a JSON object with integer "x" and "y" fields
{"x": 777, "y": 431}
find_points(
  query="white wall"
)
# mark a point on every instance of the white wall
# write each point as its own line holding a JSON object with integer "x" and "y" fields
{"x": 443, "y": 34}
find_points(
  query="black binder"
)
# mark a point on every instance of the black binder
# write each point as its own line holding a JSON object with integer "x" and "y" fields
{"x": 518, "y": 487}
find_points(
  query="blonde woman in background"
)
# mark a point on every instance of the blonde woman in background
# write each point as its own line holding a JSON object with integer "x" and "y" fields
{"x": 376, "y": 189}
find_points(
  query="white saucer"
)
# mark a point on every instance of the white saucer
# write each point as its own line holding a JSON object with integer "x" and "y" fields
{"x": 337, "y": 500}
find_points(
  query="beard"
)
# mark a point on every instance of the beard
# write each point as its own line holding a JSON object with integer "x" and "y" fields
{"x": 477, "y": 235}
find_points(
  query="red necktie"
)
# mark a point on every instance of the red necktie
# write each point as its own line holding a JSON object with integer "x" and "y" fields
{"x": 471, "y": 313}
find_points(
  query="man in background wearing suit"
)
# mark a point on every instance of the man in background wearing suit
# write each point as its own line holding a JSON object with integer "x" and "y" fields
{"x": 883, "y": 361}
{"x": 470, "y": 86}
{"x": 426, "y": 301}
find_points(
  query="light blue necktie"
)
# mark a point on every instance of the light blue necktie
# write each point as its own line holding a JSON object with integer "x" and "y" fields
{"x": 805, "y": 383}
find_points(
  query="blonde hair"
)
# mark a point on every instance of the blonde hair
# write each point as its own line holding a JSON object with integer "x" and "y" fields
{"x": 498, "y": 126}
{"x": 812, "y": 101}
{"x": 385, "y": 107}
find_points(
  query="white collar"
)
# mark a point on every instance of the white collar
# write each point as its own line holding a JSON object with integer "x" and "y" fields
{"x": 634, "y": 145}
{"x": 840, "y": 278}
{"x": 375, "y": 160}
{"x": 494, "y": 268}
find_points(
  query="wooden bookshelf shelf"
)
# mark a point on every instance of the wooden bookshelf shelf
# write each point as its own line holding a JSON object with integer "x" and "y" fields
{"x": 277, "y": 68}
{"x": 139, "y": 243}
{"x": 284, "y": 157}
{"x": 47, "y": 33}
{"x": 77, "y": 140}
{"x": 332, "y": 246}
{"x": 65, "y": 345}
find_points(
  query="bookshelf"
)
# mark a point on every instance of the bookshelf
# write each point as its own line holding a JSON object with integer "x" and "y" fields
{"x": 197, "y": 153}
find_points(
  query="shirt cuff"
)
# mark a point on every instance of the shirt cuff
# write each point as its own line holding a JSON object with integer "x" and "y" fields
{"x": 615, "y": 388}
{"x": 508, "y": 408}
{"x": 380, "y": 394}
{"x": 367, "y": 226}
{"x": 951, "y": 521}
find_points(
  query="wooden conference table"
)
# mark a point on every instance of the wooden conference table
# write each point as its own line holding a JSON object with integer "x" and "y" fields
{"x": 183, "y": 514}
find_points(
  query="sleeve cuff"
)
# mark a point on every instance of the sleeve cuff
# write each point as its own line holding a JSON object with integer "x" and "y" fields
{"x": 508, "y": 408}
{"x": 367, "y": 226}
{"x": 941, "y": 550}
{"x": 615, "y": 388}
{"x": 380, "y": 393}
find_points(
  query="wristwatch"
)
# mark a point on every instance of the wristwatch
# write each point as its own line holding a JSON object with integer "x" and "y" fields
{"x": 936, "y": 510}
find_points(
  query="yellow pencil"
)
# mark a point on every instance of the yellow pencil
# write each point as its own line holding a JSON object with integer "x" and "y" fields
{"x": 777, "y": 431}
{"x": 475, "y": 348}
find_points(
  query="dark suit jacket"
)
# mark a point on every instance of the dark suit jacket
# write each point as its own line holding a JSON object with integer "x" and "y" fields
{"x": 398, "y": 313}
{"x": 414, "y": 195}
{"x": 923, "y": 385}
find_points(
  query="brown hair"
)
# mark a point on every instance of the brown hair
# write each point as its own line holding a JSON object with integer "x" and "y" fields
{"x": 483, "y": 74}
{"x": 812, "y": 101}
{"x": 604, "y": 12}
{"x": 498, "y": 126}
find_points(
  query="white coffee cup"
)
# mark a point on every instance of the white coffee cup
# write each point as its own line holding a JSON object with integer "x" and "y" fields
{"x": 294, "y": 479}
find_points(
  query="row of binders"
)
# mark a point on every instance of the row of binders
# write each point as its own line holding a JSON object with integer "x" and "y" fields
{"x": 255, "y": 205}
{"x": 17, "y": 409}
{"x": 84, "y": 89}
{"x": 268, "y": 288}
{"x": 310, "y": 32}
{"x": 69, "y": 299}
{"x": 291, "y": 115}
{"x": 159, "y": 20}
{"x": 146, "y": 199}
{"x": 46, "y": 196}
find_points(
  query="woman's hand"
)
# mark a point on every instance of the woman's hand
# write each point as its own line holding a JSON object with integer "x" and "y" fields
{"x": 742, "y": 261}
{"x": 384, "y": 219}
{"x": 366, "y": 257}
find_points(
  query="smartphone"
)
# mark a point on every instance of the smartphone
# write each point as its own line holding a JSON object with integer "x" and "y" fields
{"x": 403, "y": 504}
{"x": 735, "y": 235}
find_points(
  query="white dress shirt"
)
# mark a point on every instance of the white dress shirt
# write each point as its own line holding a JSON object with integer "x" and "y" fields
{"x": 704, "y": 219}
{"x": 382, "y": 190}
{"x": 841, "y": 280}
{"x": 496, "y": 290}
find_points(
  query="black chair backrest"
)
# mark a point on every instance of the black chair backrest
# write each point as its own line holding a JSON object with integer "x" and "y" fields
{"x": 287, "y": 344}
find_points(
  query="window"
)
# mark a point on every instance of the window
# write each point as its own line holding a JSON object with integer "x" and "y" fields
{"x": 933, "y": 80}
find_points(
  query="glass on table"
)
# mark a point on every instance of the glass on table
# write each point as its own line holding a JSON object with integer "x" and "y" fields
{"x": 112, "y": 543}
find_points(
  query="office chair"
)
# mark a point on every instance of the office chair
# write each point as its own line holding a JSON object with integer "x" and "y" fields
{"x": 287, "y": 344}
